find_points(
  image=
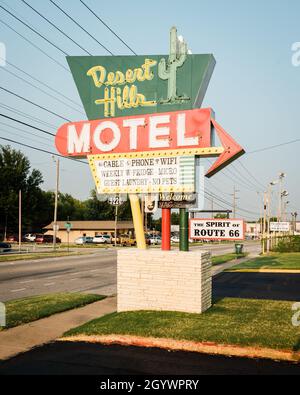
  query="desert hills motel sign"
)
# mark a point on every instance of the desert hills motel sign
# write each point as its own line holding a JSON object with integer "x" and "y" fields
{"x": 145, "y": 125}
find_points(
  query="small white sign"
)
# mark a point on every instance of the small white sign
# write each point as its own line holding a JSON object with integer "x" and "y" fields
{"x": 279, "y": 226}
{"x": 151, "y": 203}
{"x": 216, "y": 229}
{"x": 144, "y": 174}
{"x": 55, "y": 228}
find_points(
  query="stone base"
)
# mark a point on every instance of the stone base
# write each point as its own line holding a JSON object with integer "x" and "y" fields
{"x": 164, "y": 280}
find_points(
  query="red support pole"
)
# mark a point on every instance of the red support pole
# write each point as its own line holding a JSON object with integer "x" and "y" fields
{"x": 166, "y": 229}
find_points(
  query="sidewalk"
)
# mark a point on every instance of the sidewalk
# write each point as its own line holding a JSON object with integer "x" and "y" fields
{"x": 228, "y": 265}
{"x": 25, "y": 337}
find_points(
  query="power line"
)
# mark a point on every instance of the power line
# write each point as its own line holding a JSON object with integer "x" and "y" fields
{"x": 27, "y": 138}
{"x": 57, "y": 28}
{"x": 249, "y": 182}
{"x": 34, "y": 104}
{"x": 41, "y": 90}
{"x": 245, "y": 186}
{"x": 82, "y": 28}
{"x": 31, "y": 118}
{"x": 35, "y": 46}
{"x": 109, "y": 28}
{"x": 273, "y": 146}
{"x": 251, "y": 175}
{"x": 34, "y": 30}
{"x": 25, "y": 131}
{"x": 41, "y": 82}
{"x": 42, "y": 150}
{"x": 27, "y": 124}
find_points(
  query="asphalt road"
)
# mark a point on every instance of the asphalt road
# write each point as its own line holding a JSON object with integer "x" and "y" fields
{"x": 94, "y": 359}
{"x": 273, "y": 286}
{"x": 93, "y": 273}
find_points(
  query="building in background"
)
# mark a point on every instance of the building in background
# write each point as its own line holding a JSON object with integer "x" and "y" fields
{"x": 89, "y": 228}
{"x": 253, "y": 230}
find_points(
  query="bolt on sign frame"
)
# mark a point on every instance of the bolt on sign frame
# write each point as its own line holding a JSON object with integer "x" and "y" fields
{"x": 143, "y": 107}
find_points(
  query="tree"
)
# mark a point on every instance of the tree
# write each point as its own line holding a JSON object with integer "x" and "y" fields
{"x": 15, "y": 175}
{"x": 221, "y": 216}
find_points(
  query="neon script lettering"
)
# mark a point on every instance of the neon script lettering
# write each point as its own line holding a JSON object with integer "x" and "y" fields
{"x": 117, "y": 92}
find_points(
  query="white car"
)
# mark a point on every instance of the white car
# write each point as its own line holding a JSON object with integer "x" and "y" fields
{"x": 155, "y": 240}
{"x": 30, "y": 237}
{"x": 175, "y": 239}
{"x": 102, "y": 239}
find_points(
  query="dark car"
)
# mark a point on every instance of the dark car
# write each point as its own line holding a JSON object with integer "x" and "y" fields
{"x": 43, "y": 239}
{"x": 15, "y": 239}
{"x": 5, "y": 247}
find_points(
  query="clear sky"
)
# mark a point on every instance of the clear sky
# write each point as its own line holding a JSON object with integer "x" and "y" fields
{"x": 255, "y": 89}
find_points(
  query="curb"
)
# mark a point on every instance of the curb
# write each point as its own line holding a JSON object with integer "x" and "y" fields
{"x": 190, "y": 346}
{"x": 282, "y": 271}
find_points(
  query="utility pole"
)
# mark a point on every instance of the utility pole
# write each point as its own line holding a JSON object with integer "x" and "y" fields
{"x": 264, "y": 223}
{"x": 56, "y": 160}
{"x": 20, "y": 219}
{"x": 281, "y": 177}
{"x": 116, "y": 224}
{"x": 235, "y": 198}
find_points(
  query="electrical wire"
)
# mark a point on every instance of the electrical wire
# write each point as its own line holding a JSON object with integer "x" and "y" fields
{"x": 31, "y": 118}
{"x": 82, "y": 28}
{"x": 108, "y": 27}
{"x": 34, "y": 104}
{"x": 35, "y": 46}
{"x": 56, "y": 27}
{"x": 41, "y": 82}
{"x": 41, "y": 90}
{"x": 41, "y": 150}
{"x": 34, "y": 30}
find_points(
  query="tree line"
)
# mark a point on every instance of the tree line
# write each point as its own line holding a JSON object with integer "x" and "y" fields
{"x": 38, "y": 205}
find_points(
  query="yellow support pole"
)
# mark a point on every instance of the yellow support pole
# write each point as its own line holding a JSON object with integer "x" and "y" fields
{"x": 138, "y": 221}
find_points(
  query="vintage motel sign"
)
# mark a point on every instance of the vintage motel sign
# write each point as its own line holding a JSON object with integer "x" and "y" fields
{"x": 145, "y": 108}
{"x": 178, "y": 133}
{"x": 216, "y": 229}
{"x": 133, "y": 85}
{"x": 140, "y": 174}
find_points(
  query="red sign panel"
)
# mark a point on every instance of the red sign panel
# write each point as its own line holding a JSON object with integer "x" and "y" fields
{"x": 190, "y": 131}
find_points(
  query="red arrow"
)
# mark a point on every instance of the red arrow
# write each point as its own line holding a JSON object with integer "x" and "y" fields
{"x": 232, "y": 150}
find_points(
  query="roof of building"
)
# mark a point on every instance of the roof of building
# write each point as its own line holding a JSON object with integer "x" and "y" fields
{"x": 93, "y": 225}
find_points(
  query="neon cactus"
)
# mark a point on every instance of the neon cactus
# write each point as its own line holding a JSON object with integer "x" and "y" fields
{"x": 168, "y": 71}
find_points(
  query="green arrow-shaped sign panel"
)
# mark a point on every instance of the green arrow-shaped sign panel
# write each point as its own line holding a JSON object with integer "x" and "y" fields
{"x": 115, "y": 86}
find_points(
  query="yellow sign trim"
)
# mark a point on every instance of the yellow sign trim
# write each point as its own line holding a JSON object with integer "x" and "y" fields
{"x": 212, "y": 151}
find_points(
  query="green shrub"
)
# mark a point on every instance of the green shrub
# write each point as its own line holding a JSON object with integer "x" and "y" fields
{"x": 288, "y": 244}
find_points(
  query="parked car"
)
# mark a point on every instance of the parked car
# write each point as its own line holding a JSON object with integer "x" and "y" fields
{"x": 30, "y": 237}
{"x": 5, "y": 247}
{"x": 175, "y": 239}
{"x": 84, "y": 240}
{"x": 102, "y": 239}
{"x": 155, "y": 240}
{"x": 127, "y": 240}
{"x": 44, "y": 239}
{"x": 15, "y": 239}
{"x": 148, "y": 239}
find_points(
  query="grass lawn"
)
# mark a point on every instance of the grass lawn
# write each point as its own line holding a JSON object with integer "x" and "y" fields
{"x": 36, "y": 255}
{"x": 218, "y": 260}
{"x": 230, "y": 321}
{"x": 30, "y": 309}
{"x": 288, "y": 261}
